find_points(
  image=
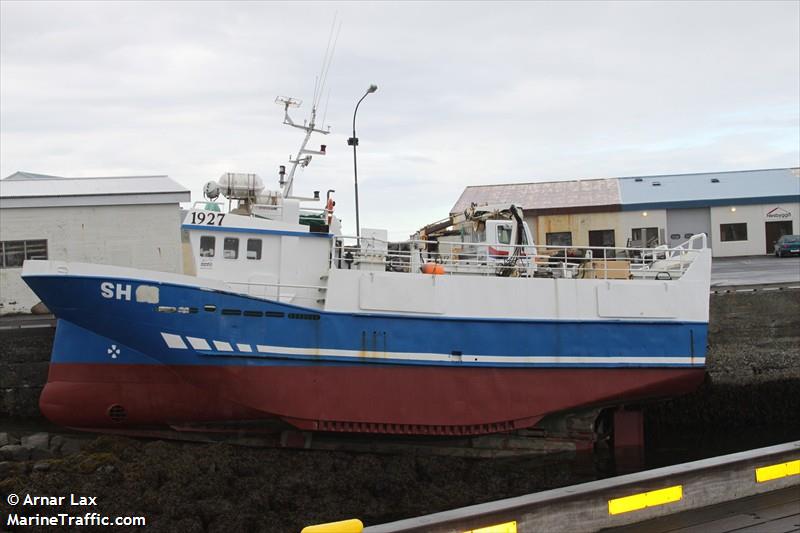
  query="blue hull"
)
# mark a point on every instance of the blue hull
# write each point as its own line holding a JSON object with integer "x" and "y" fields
{"x": 238, "y": 325}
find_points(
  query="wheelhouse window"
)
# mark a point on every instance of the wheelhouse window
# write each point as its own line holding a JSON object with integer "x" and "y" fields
{"x": 254, "y": 248}
{"x": 559, "y": 238}
{"x": 231, "y": 248}
{"x": 733, "y": 232}
{"x": 504, "y": 234}
{"x": 207, "y": 245}
{"x": 14, "y": 253}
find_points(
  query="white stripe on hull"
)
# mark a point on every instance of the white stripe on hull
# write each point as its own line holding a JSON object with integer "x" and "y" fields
{"x": 174, "y": 341}
{"x": 421, "y": 357}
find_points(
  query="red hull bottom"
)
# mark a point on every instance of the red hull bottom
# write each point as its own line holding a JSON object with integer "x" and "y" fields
{"x": 369, "y": 399}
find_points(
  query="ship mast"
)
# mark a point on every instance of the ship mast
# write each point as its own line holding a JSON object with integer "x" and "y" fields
{"x": 303, "y": 157}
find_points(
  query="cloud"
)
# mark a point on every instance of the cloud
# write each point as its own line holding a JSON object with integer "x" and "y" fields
{"x": 469, "y": 92}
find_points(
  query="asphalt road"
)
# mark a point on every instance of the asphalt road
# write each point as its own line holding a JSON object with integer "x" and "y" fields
{"x": 755, "y": 270}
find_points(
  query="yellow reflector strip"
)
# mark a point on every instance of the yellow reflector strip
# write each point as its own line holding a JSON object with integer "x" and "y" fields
{"x": 627, "y": 504}
{"x": 668, "y": 495}
{"x": 507, "y": 527}
{"x": 636, "y": 502}
{"x": 768, "y": 473}
{"x": 345, "y": 526}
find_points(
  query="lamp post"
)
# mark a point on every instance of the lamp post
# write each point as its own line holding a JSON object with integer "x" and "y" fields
{"x": 353, "y": 141}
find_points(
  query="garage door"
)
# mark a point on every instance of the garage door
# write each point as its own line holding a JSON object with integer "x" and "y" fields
{"x": 683, "y": 223}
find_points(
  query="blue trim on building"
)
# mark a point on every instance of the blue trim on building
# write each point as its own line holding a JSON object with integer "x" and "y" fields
{"x": 688, "y": 204}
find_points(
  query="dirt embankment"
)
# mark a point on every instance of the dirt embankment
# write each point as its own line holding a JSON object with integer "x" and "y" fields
{"x": 190, "y": 487}
{"x": 753, "y": 363}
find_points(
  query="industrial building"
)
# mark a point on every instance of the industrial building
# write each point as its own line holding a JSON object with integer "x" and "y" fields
{"x": 742, "y": 212}
{"x": 126, "y": 221}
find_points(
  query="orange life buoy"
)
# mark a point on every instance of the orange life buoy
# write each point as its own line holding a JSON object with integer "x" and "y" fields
{"x": 433, "y": 268}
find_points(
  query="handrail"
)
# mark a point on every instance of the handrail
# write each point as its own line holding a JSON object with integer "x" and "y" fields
{"x": 683, "y": 246}
{"x": 520, "y": 260}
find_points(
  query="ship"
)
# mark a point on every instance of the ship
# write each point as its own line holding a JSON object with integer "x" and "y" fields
{"x": 288, "y": 320}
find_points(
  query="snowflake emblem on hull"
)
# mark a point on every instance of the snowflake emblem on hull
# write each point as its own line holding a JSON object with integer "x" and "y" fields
{"x": 113, "y": 351}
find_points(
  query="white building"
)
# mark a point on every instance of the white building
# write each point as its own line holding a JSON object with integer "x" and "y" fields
{"x": 126, "y": 221}
{"x": 742, "y": 212}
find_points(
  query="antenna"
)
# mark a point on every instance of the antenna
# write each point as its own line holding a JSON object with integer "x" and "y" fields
{"x": 327, "y": 101}
{"x": 303, "y": 157}
{"x": 319, "y": 87}
{"x": 288, "y": 102}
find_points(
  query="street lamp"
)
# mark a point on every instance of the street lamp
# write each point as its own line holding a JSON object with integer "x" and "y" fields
{"x": 353, "y": 141}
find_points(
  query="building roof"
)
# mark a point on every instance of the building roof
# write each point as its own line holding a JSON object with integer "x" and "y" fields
{"x": 29, "y": 176}
{"x": 710, "y": 188}
{"x": 550, "y": 196}
{"x": 637, "y": 192}
{"x": 25, "y": 189}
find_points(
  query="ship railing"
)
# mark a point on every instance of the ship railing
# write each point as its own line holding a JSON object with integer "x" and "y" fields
{"x": 525, "y": 260}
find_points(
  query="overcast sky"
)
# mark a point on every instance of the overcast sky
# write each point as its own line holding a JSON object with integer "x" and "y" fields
{"x": 469, "y": 93}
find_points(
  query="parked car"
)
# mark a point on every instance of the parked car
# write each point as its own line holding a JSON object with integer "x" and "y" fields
{"x": 787, "y": 245}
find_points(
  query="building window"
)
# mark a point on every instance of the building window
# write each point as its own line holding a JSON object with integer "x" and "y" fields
{"x": 644, "y": 237}
{"x": 602, "y": 238}
{"x": 560, "y": 238}
{"x": 231, "y": 248}
{"x": 207, "y": 246}
{"x": 254, "y": 248}
{"x": 14, "y": 253}
{"x": 733, "y": 232}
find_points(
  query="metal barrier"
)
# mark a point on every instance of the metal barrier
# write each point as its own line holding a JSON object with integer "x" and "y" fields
{"x": 524, "y": 260}
{"x": 622, "y": 500}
